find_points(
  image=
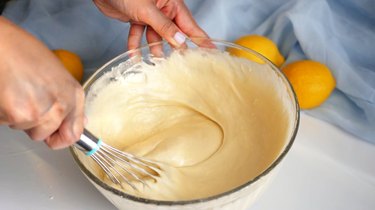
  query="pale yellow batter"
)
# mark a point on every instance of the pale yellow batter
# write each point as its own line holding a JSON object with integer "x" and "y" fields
{"x": 213, "y": 121}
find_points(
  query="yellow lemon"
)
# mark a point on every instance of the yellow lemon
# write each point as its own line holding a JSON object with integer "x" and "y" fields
{"x": 71, "y": 61}
{"x": 260, "y": 44}
{"x": 312, "y": 82}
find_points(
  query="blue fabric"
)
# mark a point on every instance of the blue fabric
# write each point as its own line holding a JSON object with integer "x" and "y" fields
{"x": 340, "y": 34}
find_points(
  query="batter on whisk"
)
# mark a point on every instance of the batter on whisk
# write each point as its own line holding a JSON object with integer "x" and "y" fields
{"x": 203, "y": 114}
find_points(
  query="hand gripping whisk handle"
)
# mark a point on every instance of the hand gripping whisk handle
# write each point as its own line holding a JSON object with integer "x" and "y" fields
{"x": 88, "y": 143}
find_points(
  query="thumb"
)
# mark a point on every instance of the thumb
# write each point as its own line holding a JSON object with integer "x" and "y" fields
{"x": 165, "y": 27}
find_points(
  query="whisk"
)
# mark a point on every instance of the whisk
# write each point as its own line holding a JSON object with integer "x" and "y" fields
{"x": 119, "y": 166}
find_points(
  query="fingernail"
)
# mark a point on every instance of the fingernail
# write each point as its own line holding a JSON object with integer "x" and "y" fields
{"x": 179, "y": 38}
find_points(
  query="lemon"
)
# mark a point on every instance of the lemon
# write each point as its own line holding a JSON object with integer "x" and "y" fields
{"x": 71, "y": 61}
{"x": 260, "y": 44}
{"x": 312, "y": 82}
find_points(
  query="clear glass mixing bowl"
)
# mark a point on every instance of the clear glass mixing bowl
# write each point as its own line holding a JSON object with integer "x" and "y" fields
{"x": 238, "y": 198}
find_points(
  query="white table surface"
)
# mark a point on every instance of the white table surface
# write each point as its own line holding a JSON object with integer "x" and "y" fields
{"x": 326, "y": 169}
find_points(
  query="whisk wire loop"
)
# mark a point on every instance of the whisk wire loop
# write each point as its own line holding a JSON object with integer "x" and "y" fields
{"x": 120, "y": 167}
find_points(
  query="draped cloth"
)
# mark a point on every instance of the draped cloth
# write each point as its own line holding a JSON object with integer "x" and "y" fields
{"x": 340, "y": 34}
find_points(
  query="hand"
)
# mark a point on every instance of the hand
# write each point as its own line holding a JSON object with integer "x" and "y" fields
{"x": 37, "y": 94}
{"x": 169, "y": 19}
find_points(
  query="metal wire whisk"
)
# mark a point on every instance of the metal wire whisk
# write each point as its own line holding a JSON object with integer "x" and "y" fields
{"x": 119, "y": 166}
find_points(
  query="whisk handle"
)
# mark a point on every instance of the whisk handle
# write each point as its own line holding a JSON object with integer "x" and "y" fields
{"x": 88, "y": 142}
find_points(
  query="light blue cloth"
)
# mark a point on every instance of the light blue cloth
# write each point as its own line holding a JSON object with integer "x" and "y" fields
{"x": 340, "y": 34}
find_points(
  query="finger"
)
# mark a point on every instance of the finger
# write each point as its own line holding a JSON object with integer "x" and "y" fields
{"x": 164, "y": 26}
{"x": 168, "y": 11}
{"x": 153, "y": 37}
{"x": 27, "y": 120}
{"x": 135, "y": 35}
{"x": 34, "y": 117}
{"x": 185, "y": 21}
{"x": 41, "y": 132}
{"x": 62, "y": 138}
{"x": 65, "y": 135}
{"x": 24, "y": 125}
{"x": 110, "y": 11}
{"x": 71, "y": 128}
{"x": 27, "y": 110}
{"x": 49, "y": 123}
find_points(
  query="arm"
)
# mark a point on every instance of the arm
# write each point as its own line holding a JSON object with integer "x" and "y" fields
{"x": 37, "y": 94}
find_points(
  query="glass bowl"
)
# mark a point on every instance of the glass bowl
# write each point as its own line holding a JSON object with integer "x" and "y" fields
{"x": 240, "y": 197}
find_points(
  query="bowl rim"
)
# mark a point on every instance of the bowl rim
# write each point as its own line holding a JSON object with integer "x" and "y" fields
{"x": 275, "y": 163}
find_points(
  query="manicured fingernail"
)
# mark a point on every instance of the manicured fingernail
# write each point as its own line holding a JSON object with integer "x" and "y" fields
{"x": 179, "y": 38}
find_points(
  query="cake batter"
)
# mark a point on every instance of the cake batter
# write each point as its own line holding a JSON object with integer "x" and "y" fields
{"x": 212, "y": 121}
